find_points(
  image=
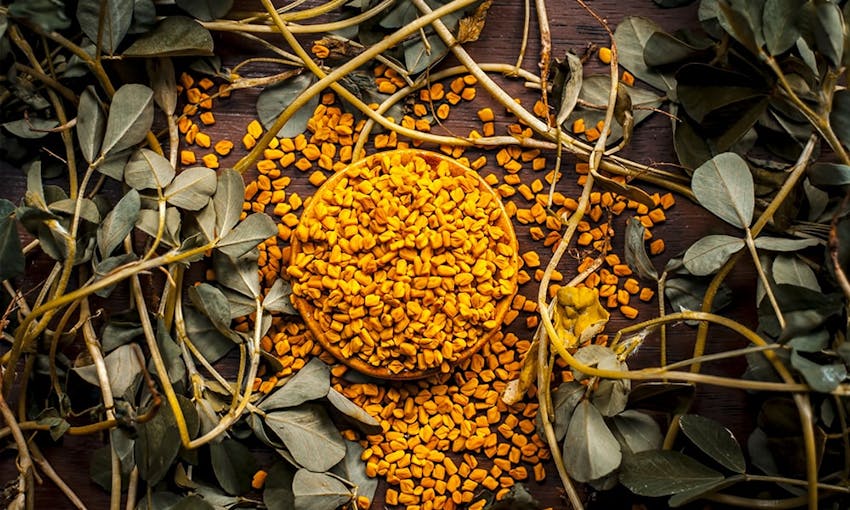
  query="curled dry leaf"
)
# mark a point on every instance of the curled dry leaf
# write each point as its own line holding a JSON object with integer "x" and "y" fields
{"x": 579, "y": 316}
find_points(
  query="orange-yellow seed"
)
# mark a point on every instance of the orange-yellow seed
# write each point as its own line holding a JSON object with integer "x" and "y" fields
{"x": 210, "y": 161}
{"x": 646, "y": 294}
{"x": 255, "y": 129}
{"x": 443, "y": 111}
{"x": 187, "y": 157}
{"x": 207, "y": 118}
{"x": 628, "y": 79}
{"x": 223, "y": 147}
{"x": 579, "y": 127}
{"x": 486, "y": 115}
{"x": 259, "y": 479}
{"x": 656, "y": 246}
{"x": 628, "y": 311}
{"x": 605, "y": 55}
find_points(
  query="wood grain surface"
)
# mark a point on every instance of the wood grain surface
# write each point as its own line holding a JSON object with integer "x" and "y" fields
{"x": 572, "y": 29}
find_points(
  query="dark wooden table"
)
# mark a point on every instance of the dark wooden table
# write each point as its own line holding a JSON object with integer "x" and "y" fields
{"x": 572, "y": 29}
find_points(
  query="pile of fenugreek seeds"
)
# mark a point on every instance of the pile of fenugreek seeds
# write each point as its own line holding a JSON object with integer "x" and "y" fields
{"x": 395, "y": 291}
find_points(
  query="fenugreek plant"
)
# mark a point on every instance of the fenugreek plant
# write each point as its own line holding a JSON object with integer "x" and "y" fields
{"x": 760, "y": 113}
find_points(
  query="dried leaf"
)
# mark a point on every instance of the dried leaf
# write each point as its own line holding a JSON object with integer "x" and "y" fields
{"x": 578, "y": 315}
{"x": 237, "y": 274}
{"x": 567, "y": 85}
{"x": 130, "y": 118}
{"x": 790, "y": 270}
{"x": 783, "y": 244}
{"x": 564, "y": 401}
{"x": 469, "y": 28}
{"x": 310, "y": 383}
{"x": 148, "y": 222}
{"x": 209, "y": 341}
{"x": 278, "y": 298}
{"x": 309, "y": 435}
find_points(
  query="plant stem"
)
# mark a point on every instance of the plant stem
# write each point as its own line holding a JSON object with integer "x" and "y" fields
{"x": 24, "y": 464}
{"x": 51, "y": 473}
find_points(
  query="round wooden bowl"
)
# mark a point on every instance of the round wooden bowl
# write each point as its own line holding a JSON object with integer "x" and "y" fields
{"x": 307, "y": 309}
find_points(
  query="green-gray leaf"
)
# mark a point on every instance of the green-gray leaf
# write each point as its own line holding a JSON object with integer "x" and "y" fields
{"x": 318, "y": 491}
{"x": 148, "y": 170}
{"x": 212, "y": 344}
{"x": 212, "y": 303}
{"x": 130, "y": 118}
{"x": 724, "y": 186}
{"x": 277, "y": 494}
{"x": 174, "y": 36}
{"x": 228, "y": 200}
{"x": 171, "y": 354}
{"x": 590, "y": 449}
{"x": 31, "y": 128}
{"x": 564, "y": 400}
{"x": 91, "y": 124}
{"x": 157, "y": 445}
{"x": 611, "y": 396}
{"x": 708, "y": 254}
{"x": 277, "y": 300}
{"x": 839, "y": 117}
{"x": 192, "y": 188}
{"x": 823, "y": 378}
{"x": 239, "y": 274}
{"x": 353, "y": 469}
{"x": 308, "y": 433}
{"x": 631, "y": 37}
{"x": 663, "y": 472}
{"x": 118, "y": 15}
{"x": 118, "y": 223}
{"x": 310, "y": 383}
{"x": 353, "y": 413}
{"x": 635, "y": 251}
{"x": 233, "y": 465}
{"x": 148, "y": 222}
{"x": 714, "y": 440}
{"x": 12, "y": 259}
{"x": 780, "y": 30}
{"x": 206, "y": 10}
{"x": 247, "y": 235}
{"x": 829, "y": 32}
{"x": 826, "y": 175}
{"x": 638, "y": 431}
{"x": 783, "y": 244}
{"x": 788, "y": 269}
{"x": 273, "y": 100}
{"x": 122, "y": 368}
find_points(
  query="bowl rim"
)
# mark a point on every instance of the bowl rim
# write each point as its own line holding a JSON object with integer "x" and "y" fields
{"x": 305, "y": 306}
